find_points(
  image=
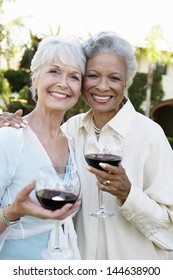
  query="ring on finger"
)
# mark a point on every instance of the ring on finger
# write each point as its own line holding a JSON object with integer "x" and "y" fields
{"x": 106, "y": 183}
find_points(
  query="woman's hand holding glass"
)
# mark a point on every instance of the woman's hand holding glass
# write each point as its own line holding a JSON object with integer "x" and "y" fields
{"x": 24, "y": 205}
{"x": 57, "y": 187}
{"x": 98, "y": 151}
{"x": 119, "y": 184}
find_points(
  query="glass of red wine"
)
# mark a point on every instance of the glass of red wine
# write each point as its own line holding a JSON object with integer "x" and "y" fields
{"x": 103, "y": 149}
{"x": 56, "y": 186}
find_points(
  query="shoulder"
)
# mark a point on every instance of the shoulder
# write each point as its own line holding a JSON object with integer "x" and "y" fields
{"x": 77, "y": 119}
{"x": 10, "y": 136}
{"x": 11, "y": 142}
{"x": 149, "y": 125}
{"x": 10, "y": 131}
{"x": 73, "y": 124}
{"x": 151, "y": 132}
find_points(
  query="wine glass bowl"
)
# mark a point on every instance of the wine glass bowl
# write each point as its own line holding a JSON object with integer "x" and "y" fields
{"x": 103, "y": 149}
{"x": 56, "y": 186}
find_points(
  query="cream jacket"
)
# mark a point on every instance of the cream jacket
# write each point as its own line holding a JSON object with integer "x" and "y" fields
{"x": 143, "y": 227}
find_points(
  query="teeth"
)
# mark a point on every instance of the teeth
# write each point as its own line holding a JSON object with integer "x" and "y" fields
{"x": 101, "y": 97}
{"x": 56, "y": 94}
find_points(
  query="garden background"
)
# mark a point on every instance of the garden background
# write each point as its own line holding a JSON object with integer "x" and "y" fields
{"x": 146, "y": 24}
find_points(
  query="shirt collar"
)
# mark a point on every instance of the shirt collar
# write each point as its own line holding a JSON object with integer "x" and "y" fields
{"x": 120, "y": 123}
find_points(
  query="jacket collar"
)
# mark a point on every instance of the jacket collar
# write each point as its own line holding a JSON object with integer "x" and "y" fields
{"x": 120, "y": 123}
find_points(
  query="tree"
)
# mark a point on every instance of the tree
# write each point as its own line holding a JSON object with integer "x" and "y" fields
{"x": 29, "y": 52}
{"x": 9, "y": 48}
{"x": 154, "y": 55}
{"x": 5, "y": 89}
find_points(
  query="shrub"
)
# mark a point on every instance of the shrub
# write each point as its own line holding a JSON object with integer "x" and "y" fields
{"x": 170, "y": 139}
{"x": 17, "y": 79}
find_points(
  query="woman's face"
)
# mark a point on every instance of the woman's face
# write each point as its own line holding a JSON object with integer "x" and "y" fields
{"x": 104, "y": 83}
{"x": 58, "y": 86}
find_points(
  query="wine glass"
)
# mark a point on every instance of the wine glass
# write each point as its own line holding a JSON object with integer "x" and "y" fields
{"x": 103, "y": 149}
{"x": 57, "y": 185}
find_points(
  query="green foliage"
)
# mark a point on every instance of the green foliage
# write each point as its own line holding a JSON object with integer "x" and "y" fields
{"x": 25, "y": 93}
{"x": 5, "y": 89}
{"x": 153, "y": 53}
{"x": 170, "y": 139}
{"x": 26, "y": 59}
{"x": 4, "y": 85}
{"x": 8, "y": 47}
{"x": 29, "y": 52}
{"x": 137, "y": 91}
{"x": 17, "y": 79}
{"x": 157, "y": 92}
{"x": 14, "y": 106}
{"x": 2, "y": 35}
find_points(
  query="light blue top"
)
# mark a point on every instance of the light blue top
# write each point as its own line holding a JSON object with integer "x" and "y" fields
{"x": 25, "y": 249}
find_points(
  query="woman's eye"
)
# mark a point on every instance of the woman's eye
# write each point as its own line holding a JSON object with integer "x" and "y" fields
{"x": 114, "y": 78}
{"x": 76, "y": 78}
{"x": 53, "y": 71}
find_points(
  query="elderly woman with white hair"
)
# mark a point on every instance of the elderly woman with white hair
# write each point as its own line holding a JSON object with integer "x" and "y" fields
{"x": 26, "y": 228}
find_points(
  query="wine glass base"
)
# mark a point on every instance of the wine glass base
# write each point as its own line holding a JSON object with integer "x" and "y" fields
{"x": 102, "y": 213}
{"x": 57, "y": 254}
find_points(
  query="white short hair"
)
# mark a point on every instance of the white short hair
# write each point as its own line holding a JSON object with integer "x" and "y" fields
{"x": 68, "y": 51}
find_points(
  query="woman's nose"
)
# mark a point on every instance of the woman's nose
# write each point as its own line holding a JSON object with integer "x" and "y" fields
{"x": 62, "y": 83}
{"x": 102, "y": 85}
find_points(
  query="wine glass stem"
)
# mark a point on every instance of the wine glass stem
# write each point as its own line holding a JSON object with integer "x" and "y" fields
{"x": 57, "y": 241}
{"x": 101, "y": 200}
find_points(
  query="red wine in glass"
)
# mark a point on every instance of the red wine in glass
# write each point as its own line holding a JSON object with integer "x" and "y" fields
{"x": 95, "y": 159}
{"x": 53, "y": 200}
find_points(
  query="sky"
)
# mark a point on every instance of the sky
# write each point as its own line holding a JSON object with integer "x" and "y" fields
{"x": 132, "y": 19}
